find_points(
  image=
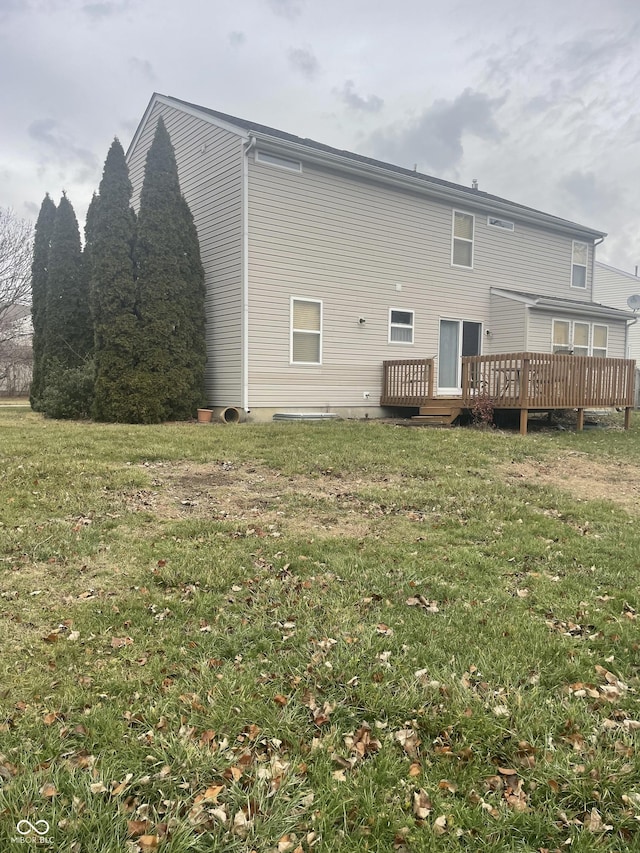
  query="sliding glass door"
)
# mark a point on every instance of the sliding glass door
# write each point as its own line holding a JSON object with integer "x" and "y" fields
{"x": 457, "y": 338}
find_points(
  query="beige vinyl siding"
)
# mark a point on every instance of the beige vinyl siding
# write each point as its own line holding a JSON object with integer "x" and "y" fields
{"x": 349, "y": 241}
{"x": 541, "y": 331}
{"x": 508, "y": 326}
{"x": 211, "y": 182}
{"x": 613, "y": 287}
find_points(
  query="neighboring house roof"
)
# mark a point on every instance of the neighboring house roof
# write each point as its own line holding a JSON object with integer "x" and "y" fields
{"x": 624, "y": 273}
{"x": 571, "y": 306}
{"x": 317, "y": 150}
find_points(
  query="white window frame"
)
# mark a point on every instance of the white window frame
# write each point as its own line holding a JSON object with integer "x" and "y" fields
{"x": 269, "y": 159}
{"x": 571, "y": 343}
{"x": 393, "y": 325}
{"x": 553, "y": 334}
{"x": 587, "y": 325}
{"x": 463, "y": 239}
{"x": 293, "y": 300}
{"x": 502, "y": 224}
{"x": 584, "y": 266}
{"x": 593, "y": 335}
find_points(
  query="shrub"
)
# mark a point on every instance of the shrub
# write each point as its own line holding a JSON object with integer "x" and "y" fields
{"x": 69, "y": 392}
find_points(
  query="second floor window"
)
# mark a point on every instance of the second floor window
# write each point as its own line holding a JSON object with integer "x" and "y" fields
{"x": 462, "y": 243}
{"x": 579, "y": 265}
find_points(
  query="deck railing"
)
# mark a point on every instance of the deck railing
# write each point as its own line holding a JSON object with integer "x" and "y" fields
{"x": 530, "y": 380}
{"x": 407, "y": 382}
{"x": 521, "y": 380}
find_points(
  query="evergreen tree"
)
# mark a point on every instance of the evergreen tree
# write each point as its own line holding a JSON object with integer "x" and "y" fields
{"x": 110, "y": 234}
{"x": 170, "y": 286}
{"x": 69, "y": 332}
{"x": 39, "y": 272}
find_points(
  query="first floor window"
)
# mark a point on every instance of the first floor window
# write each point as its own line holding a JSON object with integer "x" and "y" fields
{"x": 600, "y": 341}
{"x": 400, "y": 327}
{"x": 462, "y": 244}
{"x": 306, "y": 331}
{"x": 561, "y": 336}
{"x": 580, "y": 338}
{"x": 579, "y": 265}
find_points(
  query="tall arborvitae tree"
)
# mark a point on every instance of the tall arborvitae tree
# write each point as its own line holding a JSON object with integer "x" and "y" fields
{"x": 69, "y": 331}
{"x": 39, "y": 272}
{"x": 170, "y": 304}
{"x": 110, "y": 234}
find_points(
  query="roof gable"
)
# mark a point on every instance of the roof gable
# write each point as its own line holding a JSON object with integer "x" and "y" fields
{"x": 457, "y": 193}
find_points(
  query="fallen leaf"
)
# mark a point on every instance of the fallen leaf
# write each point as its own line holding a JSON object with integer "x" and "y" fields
{"x": 48, "y": 791}
{"x": 241, "y": 824}
{"x": 440, "y": 825}
{"x": 409, "y": 741}
{"x": 148, "y": 842}
{"x": 118, "y": 643}
{"x": 212, "y": 793}
{"x": 137, "y": 827}
{"x": 422, "y": 806}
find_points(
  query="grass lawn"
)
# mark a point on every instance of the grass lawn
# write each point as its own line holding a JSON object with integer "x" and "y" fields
{"x": 318, "y": 637}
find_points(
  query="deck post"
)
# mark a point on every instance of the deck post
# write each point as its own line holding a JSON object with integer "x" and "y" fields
{"x": 429, "y": 369}
{"x": 524, "y": 415}
{"x": 627, "y": 417}
{"x": 580, "y": 423}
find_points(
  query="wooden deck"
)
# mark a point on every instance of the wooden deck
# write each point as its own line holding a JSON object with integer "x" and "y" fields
{"x": 524, "y": 381}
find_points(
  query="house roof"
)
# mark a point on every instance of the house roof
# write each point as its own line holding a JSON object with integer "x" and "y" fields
{"x": 624, "y": 273}
{"x": 435, "y": 186}
{"x": 571, "y": 306}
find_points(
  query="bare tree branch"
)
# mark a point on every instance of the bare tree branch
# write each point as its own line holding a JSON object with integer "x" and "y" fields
{"x": 16, "y": 247}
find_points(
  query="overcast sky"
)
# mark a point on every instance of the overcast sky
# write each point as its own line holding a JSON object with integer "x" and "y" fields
{"x": 539, "y": 101}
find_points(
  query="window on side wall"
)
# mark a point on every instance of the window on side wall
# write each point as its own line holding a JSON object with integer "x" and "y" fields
{"x": 600, "y": 340}
{"x": 400, "y": 326}
{"x": 306, "y": 331}
{"x": 580, "y": 338}
{"x": 561, "y": 336}
{"x": 462, "y": 240}
{"x": 580, "y": 254}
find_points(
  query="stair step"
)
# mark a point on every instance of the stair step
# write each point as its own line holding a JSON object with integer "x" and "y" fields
{"x": 434, "y": 421}
{"x": 438, "y": 410}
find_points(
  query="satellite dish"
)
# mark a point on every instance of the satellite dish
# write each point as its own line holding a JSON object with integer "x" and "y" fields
{"x": 634, "y": 301}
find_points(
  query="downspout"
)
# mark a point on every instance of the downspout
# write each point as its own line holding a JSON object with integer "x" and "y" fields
{"x": 630, "y": 323}
{"x": 246, "y": 148}
{"x": 593, "y": 266}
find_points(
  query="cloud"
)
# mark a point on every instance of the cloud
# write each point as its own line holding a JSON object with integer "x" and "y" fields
{"x": 286, "y": 8}
{"x": 435, "y": 139}
{"x": 589, "y": 195}
{"x": 106, "y": 9}
{"x": 60, "y": 148}
{"x": 236, "y": 38}
{"x": 302, "y": 59}
{"x": 142, "y": 67}
{"x": 355, "y": 102}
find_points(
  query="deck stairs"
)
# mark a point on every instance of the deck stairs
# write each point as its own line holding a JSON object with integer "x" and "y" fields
{"x": 441, "y": 412}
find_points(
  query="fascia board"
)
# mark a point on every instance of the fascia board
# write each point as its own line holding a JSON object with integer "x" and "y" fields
{"x": 169, "y": 102}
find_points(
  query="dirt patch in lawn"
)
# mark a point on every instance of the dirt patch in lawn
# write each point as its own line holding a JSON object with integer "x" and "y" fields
{"x": 258, "y": 498}
{"x": 583, "y": 477}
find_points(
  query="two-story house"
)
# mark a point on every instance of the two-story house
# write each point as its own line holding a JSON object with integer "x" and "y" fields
{"x": 321, "y": 265}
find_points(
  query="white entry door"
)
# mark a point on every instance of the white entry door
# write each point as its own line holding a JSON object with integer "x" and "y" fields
{"x": 457, "y": 338}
